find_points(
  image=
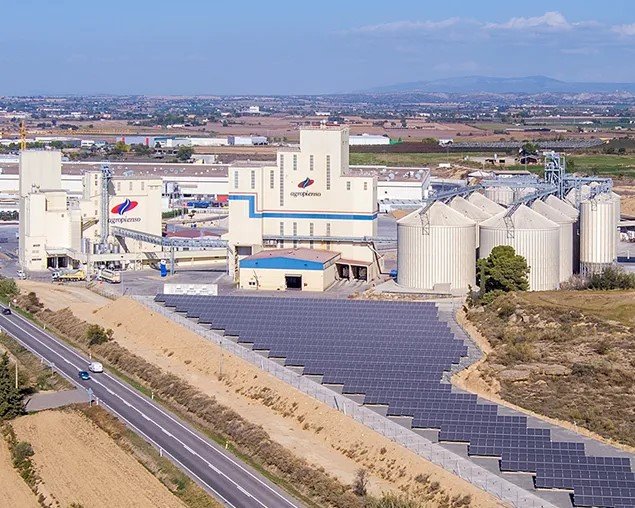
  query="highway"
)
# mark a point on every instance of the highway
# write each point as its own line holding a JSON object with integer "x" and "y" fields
{"x": 211, "y": 466}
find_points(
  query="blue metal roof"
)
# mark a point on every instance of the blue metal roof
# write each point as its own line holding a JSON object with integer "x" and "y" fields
{"x": 281, "y": 263}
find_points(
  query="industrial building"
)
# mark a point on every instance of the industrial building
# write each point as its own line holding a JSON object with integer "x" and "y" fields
{"x": 306, "y": 200}
{"x": 115, "y": 222}
{"x": 561, "y": 225}
{"x": 368, "y": 140}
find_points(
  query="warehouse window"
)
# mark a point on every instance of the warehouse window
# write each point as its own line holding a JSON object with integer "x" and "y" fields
{"x": 281, "y": 242}
{"x": 295, "y": 233}
{"x": 130, "y": 185}
{"x": 328, "y": 229}
{"x": 253, "y": 179}
{"x": 348, "y": 185}
{"x": 365, "y": 185}
{"x": 271, "y": 179}
{"x": 235, "y": 179}
{"x": 311, "y": 229}
{"x": 328, "y": 172}
{"x": 295, "y": 162}
{"x": 143, "y": 185}
{"x": 282, "y": 180}
{"x": 118, "y": 186}
{"x": 310, "y": 162}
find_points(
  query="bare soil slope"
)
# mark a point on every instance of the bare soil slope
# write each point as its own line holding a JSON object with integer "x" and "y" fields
{"x": 14, "y": 491}
{"x": 79, "y": 463}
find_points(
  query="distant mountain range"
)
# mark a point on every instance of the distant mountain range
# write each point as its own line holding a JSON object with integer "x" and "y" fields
{"x": 485, "y": 84}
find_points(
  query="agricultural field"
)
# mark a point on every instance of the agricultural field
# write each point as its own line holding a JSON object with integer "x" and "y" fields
{"x": 14, "y": 491}
{"x": 77, "y": 462}
{"x": 569, "y": 355}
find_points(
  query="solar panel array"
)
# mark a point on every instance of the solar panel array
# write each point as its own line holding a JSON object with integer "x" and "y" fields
{"x": 395, "y": 353}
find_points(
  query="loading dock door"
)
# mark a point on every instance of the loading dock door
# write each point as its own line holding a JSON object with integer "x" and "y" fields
{"x": 293, "y": 281}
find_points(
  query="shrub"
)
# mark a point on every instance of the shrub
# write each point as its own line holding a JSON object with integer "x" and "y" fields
{"x": 360, "y": 485}
{"x": 612, "y": 277}
{"x": 95, "y": 334}
{"x": 8, "y": 288}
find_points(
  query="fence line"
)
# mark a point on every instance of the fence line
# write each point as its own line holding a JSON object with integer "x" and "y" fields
{"x": 456, "y": 464}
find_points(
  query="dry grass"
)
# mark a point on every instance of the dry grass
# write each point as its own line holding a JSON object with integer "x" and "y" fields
{"x": 567, "y": 355}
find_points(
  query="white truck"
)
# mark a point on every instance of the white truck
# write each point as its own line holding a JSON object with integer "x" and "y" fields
{"x": 109, "y": 276}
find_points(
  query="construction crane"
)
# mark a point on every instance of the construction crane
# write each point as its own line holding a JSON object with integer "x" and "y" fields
{"x": 22, "y": 135}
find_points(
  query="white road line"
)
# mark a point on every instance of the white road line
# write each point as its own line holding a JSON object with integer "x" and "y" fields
{"x": 239, "y": 487}
{"x": 160, "y": 410}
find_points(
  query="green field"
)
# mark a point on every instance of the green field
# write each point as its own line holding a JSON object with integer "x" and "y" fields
{"x": 621, "y": 166}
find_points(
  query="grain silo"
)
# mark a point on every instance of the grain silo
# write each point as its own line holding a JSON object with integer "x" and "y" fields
{"x": 533, "y": 236}
{"x": 436, "y": 249}
{"x": 598, "y": 241}
{"x": 464, "y": 207}
{"x": 567, "y": 225}
{"x": 485, "y": 204}
{"x": 570, "y": 211}
{"x": 501, "y": 195}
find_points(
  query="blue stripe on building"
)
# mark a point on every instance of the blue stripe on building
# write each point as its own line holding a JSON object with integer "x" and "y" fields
{"x": 297, "y": 215}
{"x": 281, "y": 263}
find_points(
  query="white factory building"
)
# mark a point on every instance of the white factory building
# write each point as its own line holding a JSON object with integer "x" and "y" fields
{"x": 368, "y": 140}
{"x": 58, "y": 231}
{"x": 306, "y": 206}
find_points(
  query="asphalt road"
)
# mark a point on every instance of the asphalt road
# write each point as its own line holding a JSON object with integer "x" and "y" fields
{"x": 232, "y": 483}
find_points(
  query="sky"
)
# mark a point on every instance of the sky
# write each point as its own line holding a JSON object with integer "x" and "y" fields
{"x": 208, "y": 47}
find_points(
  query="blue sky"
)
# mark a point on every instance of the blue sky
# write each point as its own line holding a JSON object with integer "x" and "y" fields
{"x": 321, "y": 46}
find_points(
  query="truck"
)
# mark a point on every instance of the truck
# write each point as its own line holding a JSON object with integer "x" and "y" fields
{"x": 69, "y": 276}
{"x": 109, "y": 276}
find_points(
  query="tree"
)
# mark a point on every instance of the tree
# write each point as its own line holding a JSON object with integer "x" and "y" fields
{"x": 141, "y": 149}
{"x": 503, "y": 270}
{"x": 529, "y": 148}
{"x": 184, "y": 153}
{"x": 10, "y": 397}
{"x": 360, "y": 485}
{"x": 95, "y": 334}
{"x": 119, "y": 148}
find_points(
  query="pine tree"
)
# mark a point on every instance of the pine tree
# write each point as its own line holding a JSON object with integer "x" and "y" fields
{"x": 10, "y": 397}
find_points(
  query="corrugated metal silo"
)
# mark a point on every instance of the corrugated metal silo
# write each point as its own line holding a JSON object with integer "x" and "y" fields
{"x": 464, "y": 207}
{"x": 501, "y": 195}
{"x": 534, "y": 237}
{"x": 598, "y": 241}
{"x": 485, "y": 204}
{"x": 436, "y": 248}
{"x": 570, "y": 211}
{"x": 567, "y": 225}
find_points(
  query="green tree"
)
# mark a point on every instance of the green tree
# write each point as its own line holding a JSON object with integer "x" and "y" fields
{"x": 141, "y": 149}
{"x": 184, "y": 153}
{"x": 8, "y": 288}
{"x": 95, "y": 334}
{"x": 529, "y": 148}
{"x": 119, "y": 148}
{"x": 10, "y": 397}
{"x": 503, "y": 270}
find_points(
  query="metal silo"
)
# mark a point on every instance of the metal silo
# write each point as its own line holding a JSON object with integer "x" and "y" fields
{"x": 598, "y": 241}
{"x": 567, "y": 224}
{"x": 501, "y": 195}
{"x": 436, "y": 248}
{"x": 467, "y": 209}
{"x": 533, "y": 236}
{"x": 571, "y": 211}
{"x": 485, "y": 204}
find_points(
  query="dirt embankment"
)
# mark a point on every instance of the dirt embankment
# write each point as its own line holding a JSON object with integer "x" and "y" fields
{"x": 14, "y": 492}
{"x": 78, "y": 463}
{"x": 322, "y": 436}
{"x": 566, "y": 356}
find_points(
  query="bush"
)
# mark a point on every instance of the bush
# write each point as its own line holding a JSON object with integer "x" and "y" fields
{"x": 95, "y": 334}
{"x": 612, "y": 277}
{"x": 8, "y": 288}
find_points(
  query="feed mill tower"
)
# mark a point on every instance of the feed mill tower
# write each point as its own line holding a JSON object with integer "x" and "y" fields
{"x": 561, "y": 225}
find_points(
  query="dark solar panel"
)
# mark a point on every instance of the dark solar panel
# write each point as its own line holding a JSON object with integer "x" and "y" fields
{"x": 395, "y": 354}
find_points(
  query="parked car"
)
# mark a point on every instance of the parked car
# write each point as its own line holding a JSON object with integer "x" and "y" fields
{"x": 83, "y": 375}
{"x": 6, "y": 311}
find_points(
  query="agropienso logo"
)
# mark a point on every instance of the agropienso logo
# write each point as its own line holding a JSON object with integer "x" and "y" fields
{"x": 124, "y": 207}
{"x": 303, "y": 185}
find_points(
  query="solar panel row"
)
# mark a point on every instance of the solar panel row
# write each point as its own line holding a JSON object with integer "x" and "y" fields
{"x": 395, "y": 354}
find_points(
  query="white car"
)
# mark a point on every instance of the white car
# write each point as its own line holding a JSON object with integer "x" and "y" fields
{"x": 95, "y": 367}
{"x": 21, "y": 274}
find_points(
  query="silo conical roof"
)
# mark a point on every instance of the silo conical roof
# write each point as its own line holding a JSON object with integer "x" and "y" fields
{"x": 551, "y": 213}
{"x": 439, "y": 214}
{"x": 484, "y": 203}
{"x": 464, "y": 207}
{"x": 564, "y": 206}
{"x": 523, "y": 218}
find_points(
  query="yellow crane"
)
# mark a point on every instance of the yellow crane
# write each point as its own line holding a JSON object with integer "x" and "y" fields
{"x": 22, "y": 135}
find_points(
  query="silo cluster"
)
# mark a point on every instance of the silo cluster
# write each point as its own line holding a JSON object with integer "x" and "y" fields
{"x": 438, "y": 246}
